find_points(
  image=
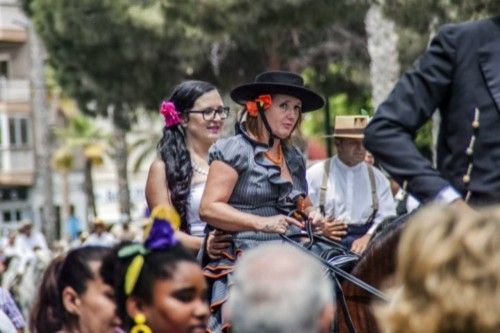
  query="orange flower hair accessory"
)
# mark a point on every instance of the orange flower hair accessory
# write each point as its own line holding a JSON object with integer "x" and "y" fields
{"x": 262, "y": 102}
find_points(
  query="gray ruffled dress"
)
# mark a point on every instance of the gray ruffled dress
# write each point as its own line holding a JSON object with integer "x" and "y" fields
{"x": 260, "y": 190}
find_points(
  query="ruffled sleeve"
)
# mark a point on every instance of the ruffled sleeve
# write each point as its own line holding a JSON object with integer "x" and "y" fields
{"x": 234, "y": 151}
{"x": 297, "y": 164}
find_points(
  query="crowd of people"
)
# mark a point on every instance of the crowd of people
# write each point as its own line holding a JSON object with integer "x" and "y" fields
{"x": 213, "y": 257}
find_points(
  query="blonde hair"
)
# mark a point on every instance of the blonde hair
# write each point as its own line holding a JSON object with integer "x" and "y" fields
{"x": 449, "y": 268}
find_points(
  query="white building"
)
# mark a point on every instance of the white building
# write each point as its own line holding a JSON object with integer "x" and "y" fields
{"x": 16, "y": 118}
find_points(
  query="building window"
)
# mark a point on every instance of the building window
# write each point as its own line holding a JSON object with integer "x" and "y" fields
{"x": 18, "y": 132}
{"x": 12, "y": 131}
{"x": 24, "y": 130}
{"x": 4, "y": 68}
{"x": 12, "y": 215}
{"x": 7, "y": 216}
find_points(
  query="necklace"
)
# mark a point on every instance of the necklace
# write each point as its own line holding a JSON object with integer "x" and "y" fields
{"x": 278, "y": 160}
{"x": 198, "y": 169}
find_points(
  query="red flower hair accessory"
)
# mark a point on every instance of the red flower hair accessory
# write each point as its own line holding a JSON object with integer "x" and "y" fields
{"x": 263, "y": 102}
{"x": 167, "y": 109}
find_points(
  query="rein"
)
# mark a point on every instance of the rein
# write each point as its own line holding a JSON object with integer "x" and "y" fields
{"x": 349, "y": 277}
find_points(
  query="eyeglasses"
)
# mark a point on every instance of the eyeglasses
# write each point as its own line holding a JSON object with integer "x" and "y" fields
{"x": 209, "y": 113}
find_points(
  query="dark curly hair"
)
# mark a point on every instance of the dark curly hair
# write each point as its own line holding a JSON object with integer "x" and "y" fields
{"x": 172, "y": 147}
{"x": 158, "y": 265}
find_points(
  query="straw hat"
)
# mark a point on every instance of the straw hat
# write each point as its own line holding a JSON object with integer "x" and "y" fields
{"x": 350, "y": 127}
{"x": 98, "y": 222}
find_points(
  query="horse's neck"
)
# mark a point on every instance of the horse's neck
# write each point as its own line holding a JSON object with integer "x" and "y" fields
{"x": 378, "y": 265}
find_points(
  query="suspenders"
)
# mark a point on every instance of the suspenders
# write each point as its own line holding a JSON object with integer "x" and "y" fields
{"x": 373, "y": 186}
{"x": 324, "y": 188}
{"x": 324, "y": 185}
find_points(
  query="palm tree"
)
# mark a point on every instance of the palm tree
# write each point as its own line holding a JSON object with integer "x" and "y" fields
{"x": 63, "y": 161}
{"x": 81, "y": 136}
{"x": 143, "y": 139}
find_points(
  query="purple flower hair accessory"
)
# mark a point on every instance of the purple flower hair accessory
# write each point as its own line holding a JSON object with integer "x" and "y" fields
{"x": 170, "y": 114}
{"x": 161, "y": 235}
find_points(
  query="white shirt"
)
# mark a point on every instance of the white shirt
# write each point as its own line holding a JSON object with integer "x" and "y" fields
{"x": 411, "y": 202}
{"x": 105, "y": 239}
{"x": 26, "y": 245}
{"x": 348, "y": 196}
{"x": 196, "y": 225}
{"x": 25, "y": 248}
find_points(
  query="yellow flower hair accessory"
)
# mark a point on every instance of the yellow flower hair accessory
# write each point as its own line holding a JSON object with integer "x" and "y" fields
{"x": 160, "y": 235}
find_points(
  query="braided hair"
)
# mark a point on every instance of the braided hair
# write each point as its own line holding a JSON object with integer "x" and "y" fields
{"x": 172, "y": 147}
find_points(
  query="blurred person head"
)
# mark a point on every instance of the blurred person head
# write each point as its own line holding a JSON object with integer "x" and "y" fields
{"x": 99, "y": 226}
{"x": 26, "y": 227}
{"x": 73, "y": 296}
{"x": 194, "y": 117}
{"x": 278, "y": 288}
{"x": 449, "y": 271}
{"x": 168, "y": 288}
{"x": 284, "y": 99}
{"x": 369, "y": 159}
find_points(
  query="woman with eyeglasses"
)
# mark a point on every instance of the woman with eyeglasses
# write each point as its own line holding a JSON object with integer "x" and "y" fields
{"x": 194, "y": 116}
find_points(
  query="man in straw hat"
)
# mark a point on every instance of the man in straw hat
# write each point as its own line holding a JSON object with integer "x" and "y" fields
{"x": 354, "y": 195}
{"x": 100, "y": 235}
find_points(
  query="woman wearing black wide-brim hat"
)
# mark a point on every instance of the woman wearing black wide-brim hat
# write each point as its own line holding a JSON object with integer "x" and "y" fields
{"x": 257, "y": 178}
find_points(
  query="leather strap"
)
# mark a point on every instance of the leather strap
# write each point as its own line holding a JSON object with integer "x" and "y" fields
{"x": 373, "y": 187}
{"x": 324, "y": 185}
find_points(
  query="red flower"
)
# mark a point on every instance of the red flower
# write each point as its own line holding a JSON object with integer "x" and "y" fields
{"x": 263, "y": 102}
{"x": 252, "y": 109}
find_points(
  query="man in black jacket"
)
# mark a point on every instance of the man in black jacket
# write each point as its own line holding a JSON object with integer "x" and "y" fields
{"x": 459, "y": 75}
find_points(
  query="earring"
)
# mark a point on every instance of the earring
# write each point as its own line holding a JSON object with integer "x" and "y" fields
{"x": 140, "y": 325}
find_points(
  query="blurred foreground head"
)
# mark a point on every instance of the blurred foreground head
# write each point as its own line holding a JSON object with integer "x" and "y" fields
{"x": 278, "y": 288}
{"x": 449, "y": 270}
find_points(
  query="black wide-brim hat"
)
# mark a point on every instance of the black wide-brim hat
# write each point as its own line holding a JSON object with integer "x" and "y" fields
{"x": 278, "y": 82}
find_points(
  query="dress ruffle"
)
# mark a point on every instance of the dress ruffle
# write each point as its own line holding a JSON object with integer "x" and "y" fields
{"x": 288, "y": 195}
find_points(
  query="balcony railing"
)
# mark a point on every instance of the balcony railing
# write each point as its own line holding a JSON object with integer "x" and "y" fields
{"x": 12, "y": 23}
{"x": 17, "y": 160}
{"x": 14, "y": 90}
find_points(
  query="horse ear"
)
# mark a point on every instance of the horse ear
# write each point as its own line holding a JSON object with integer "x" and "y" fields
{"x": 71, "y": 300}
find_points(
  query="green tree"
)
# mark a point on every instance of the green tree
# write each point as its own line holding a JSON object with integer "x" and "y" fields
{"x": 324, "y": 40}
{"x": 111, "y": 57}
{"x": 242, "y": 38}
{"x": 418, "y": 19}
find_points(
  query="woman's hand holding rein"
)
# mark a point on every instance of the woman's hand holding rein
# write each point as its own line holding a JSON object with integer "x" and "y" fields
{"x": 277, "y": 224}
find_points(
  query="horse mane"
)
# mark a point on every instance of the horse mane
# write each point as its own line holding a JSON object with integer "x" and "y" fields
{"x": 376, "y": 267}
